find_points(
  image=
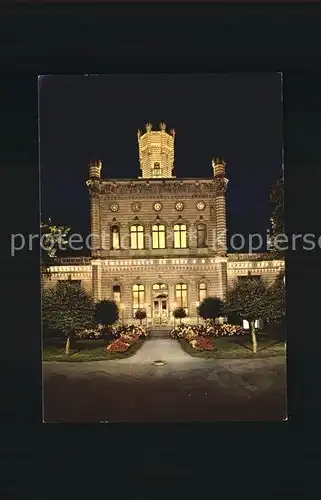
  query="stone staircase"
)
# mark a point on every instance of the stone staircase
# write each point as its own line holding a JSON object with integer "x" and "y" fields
{"x": 161, "y": 332}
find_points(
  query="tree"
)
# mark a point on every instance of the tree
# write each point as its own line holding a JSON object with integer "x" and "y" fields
{"x": 179, "y": 313}
{"x": 53, "y": 239}
{"x": 210, "y": 308}
{"x": 276, "y": 300}
{"x": 67, "y": 308}
{"x": 106, "y": 313}
{"x": 140, "y": 314}
{"x": 248, "y": 298}
{"x": 277, "y": 217}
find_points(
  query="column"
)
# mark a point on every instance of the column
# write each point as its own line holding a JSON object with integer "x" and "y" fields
{"x": 220, "y": 208}
{"x": 95, "y": 224}
{"x": 192, "y": 298}
{"x": 96, "y": 282}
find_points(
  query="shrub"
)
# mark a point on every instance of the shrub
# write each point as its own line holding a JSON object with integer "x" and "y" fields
{"x": 179, "y": 313}
{"x": 106, "y": 313}
{"x": 67, "y": 309}
{"x": 210, "y": 308}
{"x": 140, "y": 314}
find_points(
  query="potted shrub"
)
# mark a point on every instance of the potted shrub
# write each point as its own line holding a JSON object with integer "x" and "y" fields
{"x": 179, "y": 313}
{"x": 210, "y": 308}
{"x": 106, "y": 313}
{"x": 140, "y": 314}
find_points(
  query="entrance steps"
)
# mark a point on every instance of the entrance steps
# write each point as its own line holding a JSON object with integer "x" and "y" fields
{"x": 159, "y": 332}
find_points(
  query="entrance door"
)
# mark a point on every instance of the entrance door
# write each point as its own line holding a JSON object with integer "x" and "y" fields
{"x": 160, "y": 314}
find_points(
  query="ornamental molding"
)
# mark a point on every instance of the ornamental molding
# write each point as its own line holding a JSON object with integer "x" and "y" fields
{"x": 123, "y": 190}
{"x": 159, "y": 221}
{"x": 221, "y": 186}
{"x": 212, "y": 212}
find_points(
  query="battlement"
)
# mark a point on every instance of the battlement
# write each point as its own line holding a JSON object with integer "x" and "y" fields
{"x": 218, "y": 167}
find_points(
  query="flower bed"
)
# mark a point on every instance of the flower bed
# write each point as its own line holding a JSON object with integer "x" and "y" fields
{"x": 116, "y": 331}
{"x": 125, "y": 336}
{"x": 132, "y": 330}
{"x": 94, "y": 333}
{"x": 117, "y": 345}
{"x": 129, "y": 339}
{"x": 198, "y": 335}
{"x": 188, "y": 332}
{"x": 227, "y": 329}
{"x": 202, "y": 344}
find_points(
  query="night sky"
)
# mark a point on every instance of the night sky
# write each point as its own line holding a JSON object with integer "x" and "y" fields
{"x": 235, "y": 116}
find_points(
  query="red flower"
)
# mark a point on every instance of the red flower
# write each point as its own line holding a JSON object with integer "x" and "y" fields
{"x": 117, "y": 346}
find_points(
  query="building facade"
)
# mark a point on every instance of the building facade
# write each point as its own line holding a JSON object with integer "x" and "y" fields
{"x": 159, "y": 242}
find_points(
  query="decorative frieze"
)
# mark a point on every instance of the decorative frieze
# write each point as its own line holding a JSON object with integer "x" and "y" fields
{"x": 156, "y": 189}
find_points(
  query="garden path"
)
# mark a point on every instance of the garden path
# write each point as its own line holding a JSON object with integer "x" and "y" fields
{"x": 185, "y": 389}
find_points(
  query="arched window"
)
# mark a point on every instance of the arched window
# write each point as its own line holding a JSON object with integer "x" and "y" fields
{"x": 158, "y": 236}
{"x": 202, "y": 291}
{"x": 136, "y": 237}
{"x": 138, "y": 297}
{"x": 157, "y": 171}
{"x": 180, "y": 236}
{"x": 181, "y": 296}
{"x": 160, "y": 286}
{"x": 201, "y": 235}
{"x": 116, "y": 294}
{"x": 115, "y": 238}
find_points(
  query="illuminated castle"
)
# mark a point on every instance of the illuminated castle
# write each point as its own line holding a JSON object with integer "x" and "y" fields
{"x": 159, "y": 242}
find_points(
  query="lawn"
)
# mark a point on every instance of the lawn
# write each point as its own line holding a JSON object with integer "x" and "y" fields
{"x": 84, "y": 350}
{"x": 239, "y": 347}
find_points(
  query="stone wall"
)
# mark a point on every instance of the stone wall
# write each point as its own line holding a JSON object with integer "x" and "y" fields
{"x": 255, "y": 264}
{"x": 76, "y": 272}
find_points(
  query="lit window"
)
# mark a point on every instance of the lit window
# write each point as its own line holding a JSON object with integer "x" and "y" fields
{"x": 202, "y": 291}
{"x": 201, "y": 235}
{"x": 138, "y": 297}
{"x": 136, "y": 237}
{"x": 158, "y": 236}
{"x": 115, "y": 239}
{"x": 116, "y": 294}
{"x": 181, "y": 295}
{"x": 157, "y": 171}
{"x": 180, "y": 236}
{"x": 160, "y": 286}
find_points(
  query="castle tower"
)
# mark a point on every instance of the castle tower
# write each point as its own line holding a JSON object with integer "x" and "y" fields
{"x": 220, "y": 205}
{"x": 93, "y": 185}
{"x": 95, "y": 169}
{"x": 156, "y": 152}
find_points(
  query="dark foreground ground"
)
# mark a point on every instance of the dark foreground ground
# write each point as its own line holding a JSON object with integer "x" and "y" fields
{"x": 185, "y": 389}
